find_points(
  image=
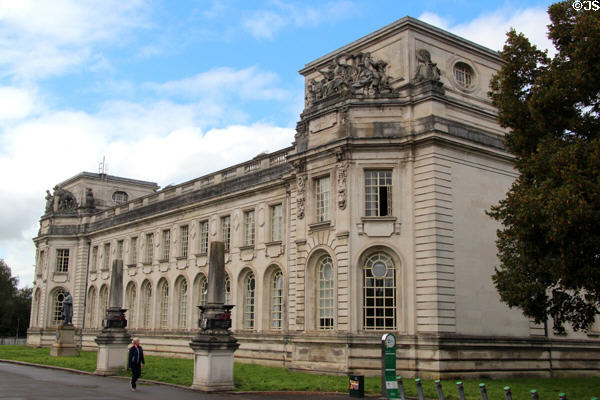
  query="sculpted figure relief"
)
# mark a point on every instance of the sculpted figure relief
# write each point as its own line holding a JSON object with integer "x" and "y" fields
{"x": 66, "y": 200}
{"x": 89, "y": 198}
{"x": 49, "y": 202}
{"x": 300, "y": 183}
{"x": 342, "y": 168}
{"x": 356, "y": 74}
{"x": 426, "y": 70}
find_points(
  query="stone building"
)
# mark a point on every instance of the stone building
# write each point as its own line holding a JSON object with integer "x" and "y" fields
{"x": 372, "y": 221}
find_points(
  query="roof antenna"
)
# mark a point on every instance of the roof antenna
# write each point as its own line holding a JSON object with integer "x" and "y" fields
{"x": 103, "y": 166}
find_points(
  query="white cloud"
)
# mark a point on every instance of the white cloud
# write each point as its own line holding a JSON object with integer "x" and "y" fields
{"x": 489, "y": 29}
{"x": 40, "y": 38}
{"x": 160, "y": 141}
{"x": 248, "y": 83}
{"x": 264, "y": 24}
{"x": 16, "y": 102}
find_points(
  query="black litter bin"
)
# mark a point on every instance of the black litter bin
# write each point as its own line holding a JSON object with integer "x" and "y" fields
{"x": 357, "y": 386}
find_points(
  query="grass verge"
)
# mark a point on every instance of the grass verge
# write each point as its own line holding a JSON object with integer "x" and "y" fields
{"x": 251, "y": 377}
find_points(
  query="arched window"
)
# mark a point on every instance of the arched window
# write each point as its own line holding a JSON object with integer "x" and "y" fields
{"x": 227, "y": 289}
{"x": 103, "y": 303}
{"x": 249, "y": 292}
{"x": 57, "y": 303}
{"x": 120, "y": 197}
{"x": 276, "y": 300}
{"x": 164, "y": 304}
{"x": 182, "y": 292}
{"x": 131, "y": 298}
{"x": 325, "y": 297}
{"x": 146, "y": 304}
{"x": 379, "y": 292}
{"x": 91, "y": 308}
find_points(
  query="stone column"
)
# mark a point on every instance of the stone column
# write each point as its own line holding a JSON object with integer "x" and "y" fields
{"x": 214, "y": 344}
{"x": 114, "y": 339}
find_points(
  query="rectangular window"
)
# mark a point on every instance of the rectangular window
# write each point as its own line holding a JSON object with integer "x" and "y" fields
{"x": 133, "y": 250}
{"x": 166, "y": 244}
{"x": 322, "y": 198}
{"x": 249, "y": 228}
{"x": 149, "y": 247}
{"x": 94, "y": 258}
{"x": 106, "y": 256}
{"x": 204, "y": 237}
{"x": 183, "y": 238}
{"x": 226, "y": 231}
{"x": 120, "y": 250}
{"x": 276, "y": 222}
{"x": 62, "y": 260}
{"x": 378, "y": 193}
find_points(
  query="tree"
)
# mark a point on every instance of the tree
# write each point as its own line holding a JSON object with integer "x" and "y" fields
{"x": 15, "y": 304}
{"x": 549, "y": 243}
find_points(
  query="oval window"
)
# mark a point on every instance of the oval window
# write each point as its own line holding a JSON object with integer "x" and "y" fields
{"x": 464, "y": 75}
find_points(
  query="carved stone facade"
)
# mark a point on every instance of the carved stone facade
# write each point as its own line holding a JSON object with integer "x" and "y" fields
{"x": 372, "y": 221}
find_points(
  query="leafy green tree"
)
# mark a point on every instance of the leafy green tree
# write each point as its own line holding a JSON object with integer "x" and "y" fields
{"x": 549, "y": 245}
{"x": 15, "y": 304}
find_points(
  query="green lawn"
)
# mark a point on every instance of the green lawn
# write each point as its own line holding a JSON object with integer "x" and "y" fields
{"x": 251, "y": 377}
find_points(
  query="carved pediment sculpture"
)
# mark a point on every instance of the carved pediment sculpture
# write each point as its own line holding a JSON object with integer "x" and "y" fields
{"x": 426, "y": 70}
{"x": 350, "y": 74}
{"x": 66, "y": 200}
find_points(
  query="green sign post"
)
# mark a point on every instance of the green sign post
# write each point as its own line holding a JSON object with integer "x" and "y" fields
{"x": 388, "y": 364}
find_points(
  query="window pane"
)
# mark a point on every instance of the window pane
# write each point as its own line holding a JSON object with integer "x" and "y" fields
{"x": 62, "y": 260}
{"x": 379, "y": 295}
{"x": 164, "y": 306}
{"x": 204, "y": 237}
{"x": 226, "y": 232}
{"x": 378, "y": 193}
{"x": 166, "y": 244}
{"x": 182, "y": 317}
{"x": 276, "y": 300}
{"x": 183, "y": 235}
{"x": 249, "y": 302}
{"x": 322, "y": 199}
{"x": 249, "y": 228}
{"x": 276, "y": 222}
{"x": 325, "y": 299}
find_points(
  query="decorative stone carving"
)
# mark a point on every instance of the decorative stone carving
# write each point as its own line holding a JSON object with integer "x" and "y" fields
{"x": 66, "y": 200}
{"x": 355, "y": 74}
{"x": 89, "y": 198}
{"x": 49, "y": 202}
{"x": 299, "y": 165}
{"x": 300, "y": 196}
{"x": 426, "y": 70}
{"x": 342, "y": 168}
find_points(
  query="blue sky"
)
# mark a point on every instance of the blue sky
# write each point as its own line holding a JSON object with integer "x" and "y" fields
{"x": 171, "y": 90}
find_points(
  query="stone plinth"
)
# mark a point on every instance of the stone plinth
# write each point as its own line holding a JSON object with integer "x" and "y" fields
{"x": 113, "y": 342}
{"x": 65, "y": 342}
{"x": 213, "y": 360}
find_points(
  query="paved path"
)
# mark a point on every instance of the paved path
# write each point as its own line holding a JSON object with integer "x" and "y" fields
{"x": 32, "y": 383}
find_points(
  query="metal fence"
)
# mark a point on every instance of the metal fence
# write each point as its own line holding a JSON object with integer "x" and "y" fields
{"x": 12, "y": 340}
{"x": 461, "y": 392}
